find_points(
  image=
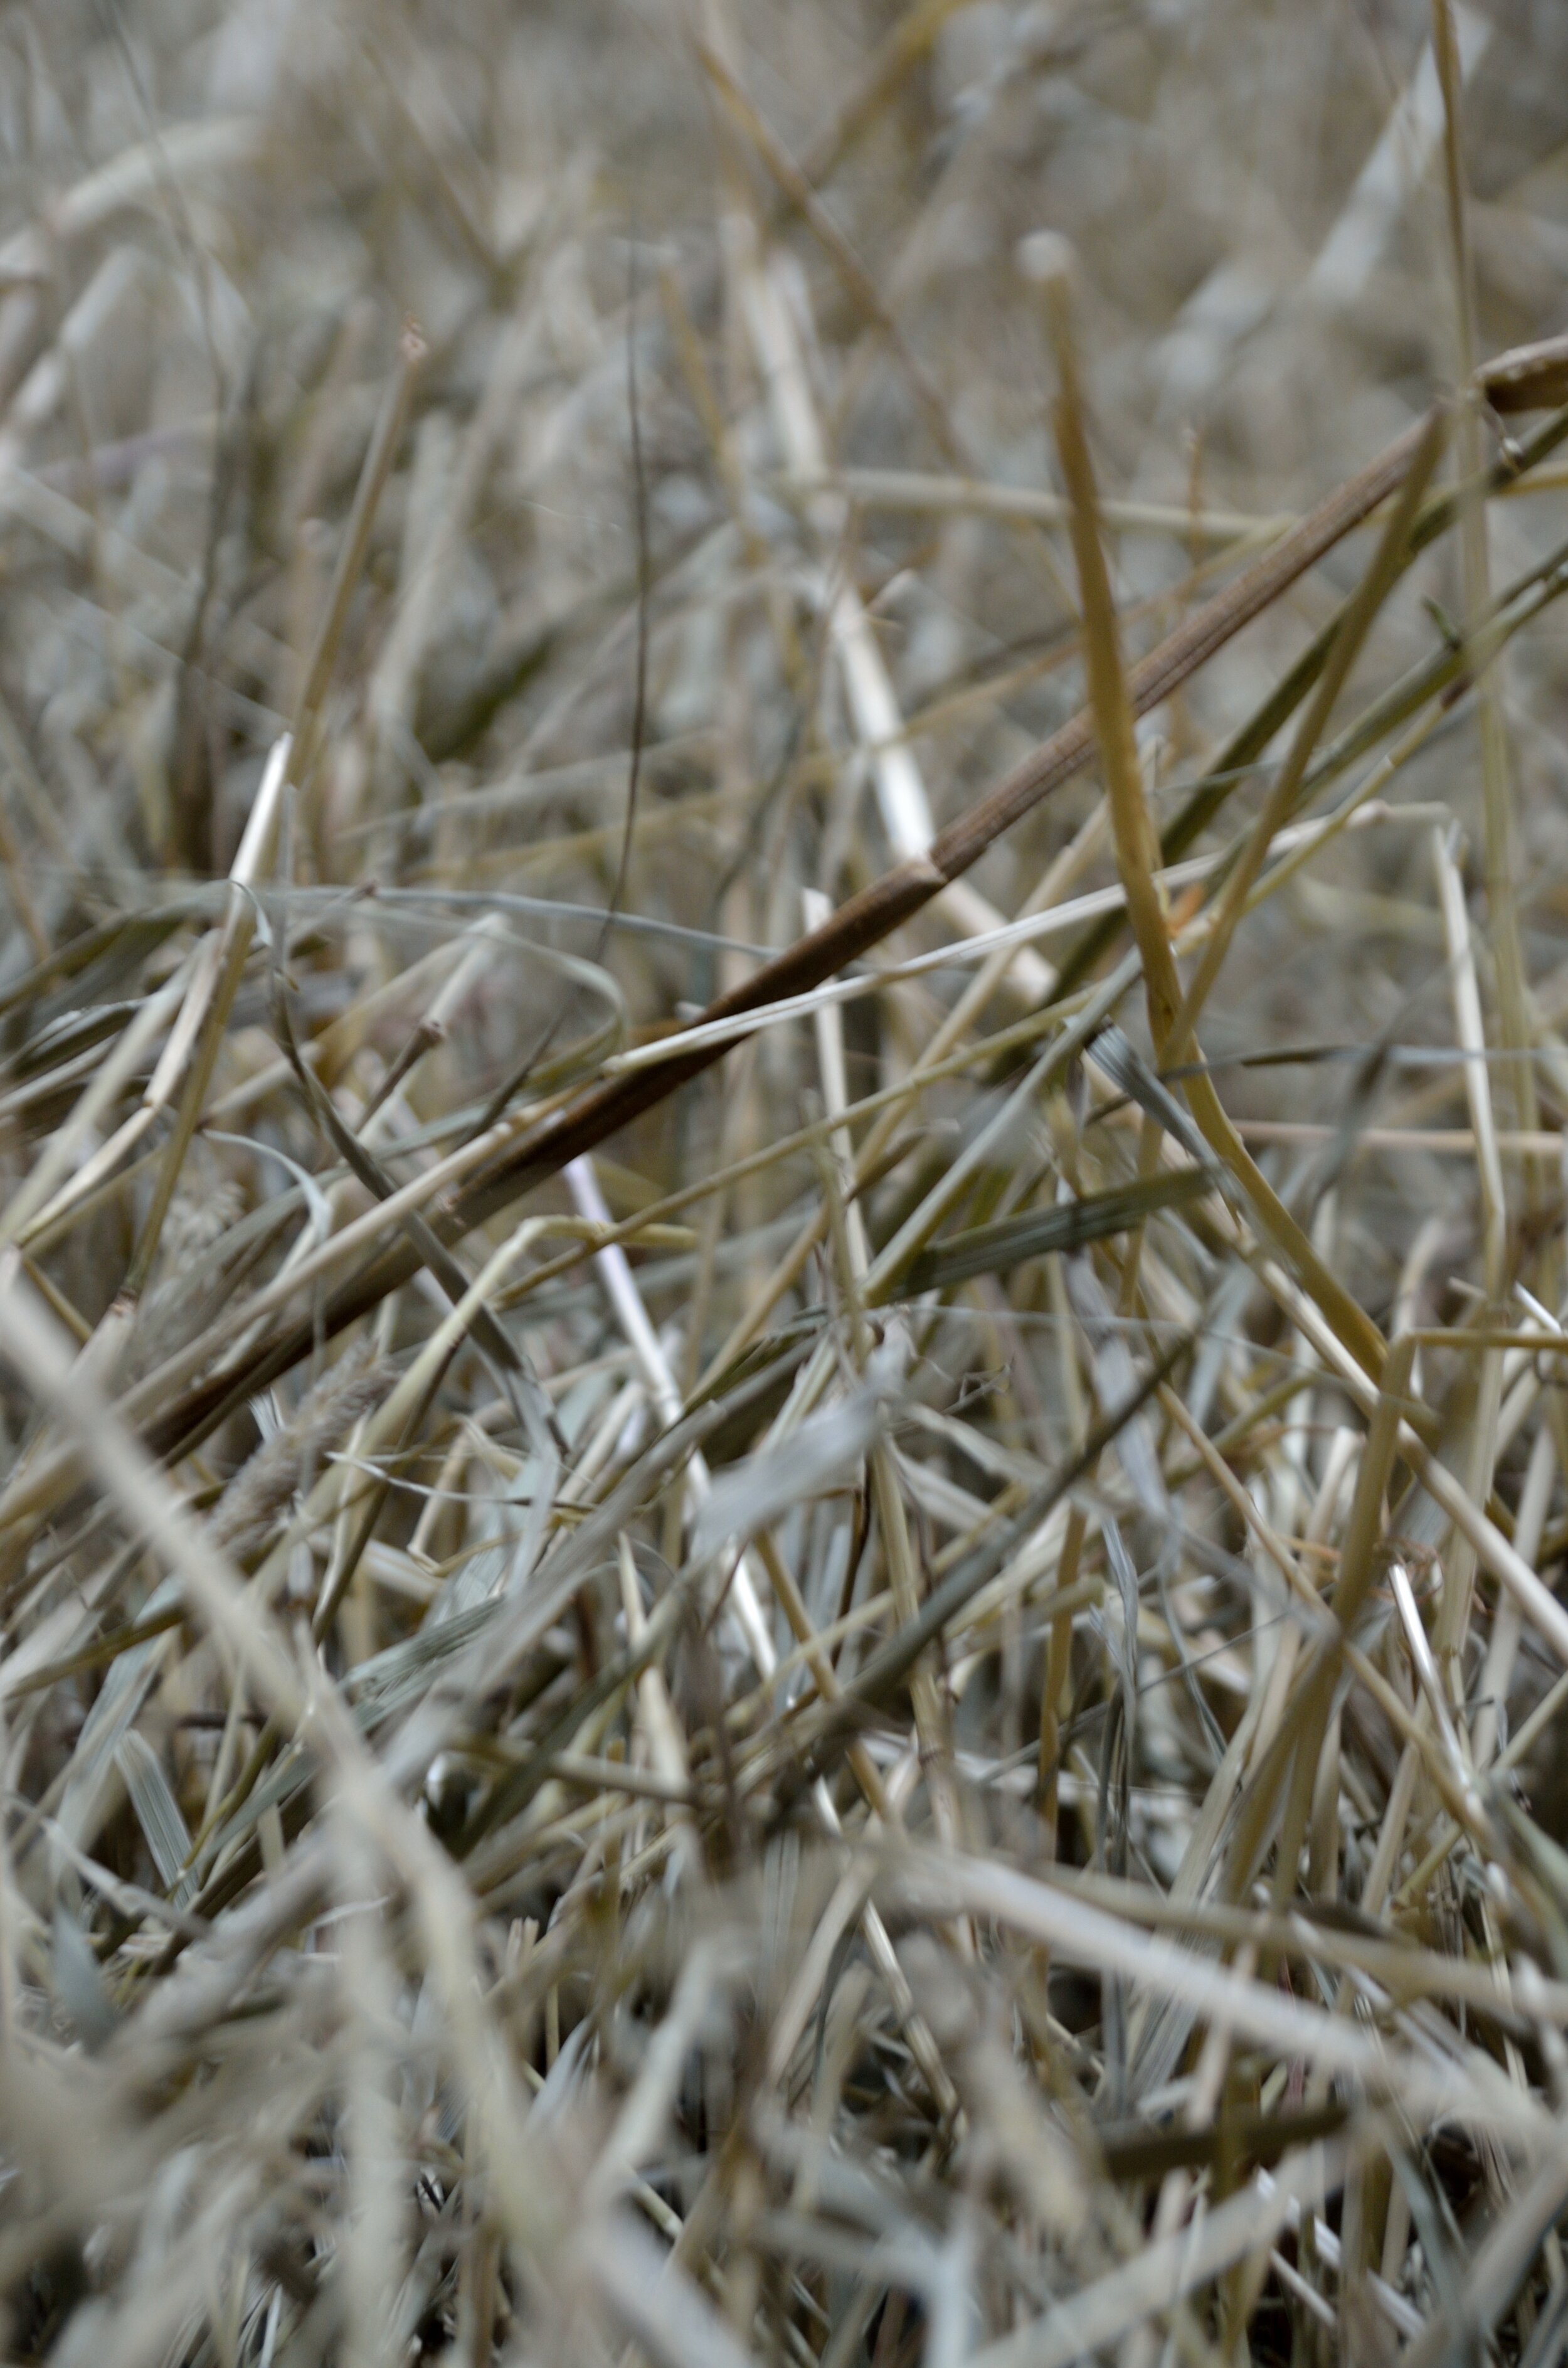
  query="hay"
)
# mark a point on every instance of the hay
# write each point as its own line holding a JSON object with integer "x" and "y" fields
{"x": 782, "y": 1462}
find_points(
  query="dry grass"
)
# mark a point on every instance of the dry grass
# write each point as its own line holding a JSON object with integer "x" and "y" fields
{"x": 782, "y": 1443}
